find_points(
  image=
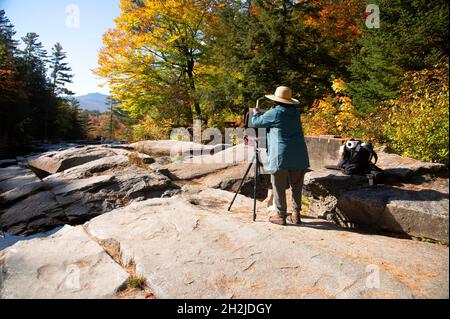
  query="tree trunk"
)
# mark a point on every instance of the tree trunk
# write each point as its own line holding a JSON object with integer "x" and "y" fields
{"x": 190, "y": 73}
{"x": 111, "y": 123}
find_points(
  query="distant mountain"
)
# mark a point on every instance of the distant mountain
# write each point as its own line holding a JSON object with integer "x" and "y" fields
{"x": 93, "y": 102}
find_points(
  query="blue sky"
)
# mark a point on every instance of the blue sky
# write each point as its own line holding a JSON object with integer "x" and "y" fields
{"x": 80, "y": 35}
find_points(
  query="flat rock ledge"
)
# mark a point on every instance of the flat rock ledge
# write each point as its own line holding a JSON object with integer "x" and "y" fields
{"x": 411, "y": 196}
{"x": 173, "y": 147}
{"x": 406, "y": 211}
{"x": 58, "y": 161}
{"x": 189, "y": 246}
{"x": 410, "y": 201}
{"x": 67, "y": 265}
{"x": 416, "y": 212}
{"x": 72, "y": 186}
{"x": 78, "y": 183}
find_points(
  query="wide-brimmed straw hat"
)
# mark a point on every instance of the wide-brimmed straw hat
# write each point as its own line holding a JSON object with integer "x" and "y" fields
{"x": 283, "y": 94}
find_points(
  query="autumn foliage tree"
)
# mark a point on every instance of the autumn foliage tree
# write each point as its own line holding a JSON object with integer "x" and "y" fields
{"x": 258, "y": 45}
{"x": 150, "y": 58}
{"x": 334, "y": 114}
{"x": 338, "y": 25}
{"x": 171, "y": 61}
{"x": 203, "y": 59}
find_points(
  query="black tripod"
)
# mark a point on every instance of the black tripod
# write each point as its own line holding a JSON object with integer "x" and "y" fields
{"x": 258, "y": 165}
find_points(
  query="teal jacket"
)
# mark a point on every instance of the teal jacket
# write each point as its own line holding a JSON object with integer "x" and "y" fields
{"x": 285, "y": 140}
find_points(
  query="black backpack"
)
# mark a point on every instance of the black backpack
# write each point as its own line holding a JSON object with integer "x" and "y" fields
{"x": 358, "y": 158}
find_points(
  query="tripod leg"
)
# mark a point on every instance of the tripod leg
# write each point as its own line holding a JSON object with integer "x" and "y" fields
{"x": 242, "y": 183}
{"x": 255, "y": 186}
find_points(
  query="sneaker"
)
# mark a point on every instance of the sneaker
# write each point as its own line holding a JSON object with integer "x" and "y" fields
{"x": 278, "y": 220}
{"x": 295, "y": 219}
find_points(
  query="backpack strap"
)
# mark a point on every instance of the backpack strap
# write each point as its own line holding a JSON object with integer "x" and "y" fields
{"x": 354, "y": 152}
{"x": 375, "y": 156}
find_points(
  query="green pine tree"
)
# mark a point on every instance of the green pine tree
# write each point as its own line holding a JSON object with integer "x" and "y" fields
{"x": 264, "y": 44}
{"x": 13, "y": 98}
{"x": 7, "y": 31}
{"x": 34, "y": 55}
{"x": 71, "y": 121}
{"x": 413, "y": 35}
{"x": 33, "y": 66}
{"x": 60, "y": 75}
{"x": 30, "y": 106}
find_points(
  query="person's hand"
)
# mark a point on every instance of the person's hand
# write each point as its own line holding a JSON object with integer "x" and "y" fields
{"x": 255, "y": 110}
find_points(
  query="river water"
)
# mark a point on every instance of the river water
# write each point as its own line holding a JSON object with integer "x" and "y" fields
{"x": 7, "y": 240}
{"x": 11, "y": 152}
{"x": 25, "y": 153}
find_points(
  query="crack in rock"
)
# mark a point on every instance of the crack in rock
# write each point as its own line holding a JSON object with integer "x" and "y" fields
{"x": 113, "y": 249}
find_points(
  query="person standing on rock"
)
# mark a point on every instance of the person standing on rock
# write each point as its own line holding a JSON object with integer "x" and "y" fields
{"x": 287, "y": 153}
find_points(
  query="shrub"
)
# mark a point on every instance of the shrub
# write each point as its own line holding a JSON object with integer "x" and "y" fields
{"x": 370, "y": 127}
{"x": 332, "y": 115}
{"x": 417, "y": 124}
{"x": 151, "y": 129}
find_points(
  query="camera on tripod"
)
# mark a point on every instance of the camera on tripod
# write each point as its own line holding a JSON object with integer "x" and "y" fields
{"x": 255, "y": 137}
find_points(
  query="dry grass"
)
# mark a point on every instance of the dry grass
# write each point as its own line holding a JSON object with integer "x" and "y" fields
{"x": 137, "y": 282}
{"x": 135, "y": 160}
{"x": 136, "y": 285}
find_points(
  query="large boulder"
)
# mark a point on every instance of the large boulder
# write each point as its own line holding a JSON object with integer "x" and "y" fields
{"x": 323, "y": 188}
{"x": 229, "y": 166}
{"x": 134, "y": 183}
{"x": 84, "y": 199}
{"x": 66, "y": 265}
{"x": 190, "y": 171}
{"x": 230, "y": 178}
{"x": 97, "y": 166}
{"x": 415, "y": 211}
{"x": 398, "y": 168}
{"x": 194, "y": 167}
{"x": 39, "y": 212}
{"x": 325, "y": 182}
{"x": 410, "y": 198}
{"x": 71, "y": 199}
{"x": 59, "y": 161}
{"x": 224, "y": 170}
{"x": 173, "y": 147}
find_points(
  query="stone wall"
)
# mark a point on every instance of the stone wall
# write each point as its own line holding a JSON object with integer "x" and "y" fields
{"x": 323, "y": 150}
